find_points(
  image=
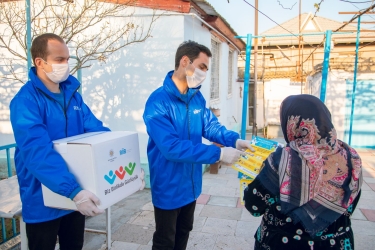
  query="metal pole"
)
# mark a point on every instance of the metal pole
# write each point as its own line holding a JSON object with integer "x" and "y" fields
{"x": 8, "y": 163}
{"x": 246, "y": 85}
{"x": 28, "y": 34}
{"x": 302, "y": 67}
{"x": 109, "y": 229}
{"x": 296, "y": 35}
{"x": 79, "y": 77}
{"x": 255, "y": 70}
{"x": 4, "y": 231}
{"x": 327, "y": 51}
{"x": 79, "y": 72}
{"x": 354, "y": 81}
{"x": 299, "y": 44}
{"x": 24, "y": 240}
{"x": 9, "y": 175}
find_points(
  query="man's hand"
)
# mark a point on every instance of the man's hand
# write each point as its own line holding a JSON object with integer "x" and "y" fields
{"x": 243, "y": 145}
{"x": 230, "y": 155}
{"x": 87, "y": 203}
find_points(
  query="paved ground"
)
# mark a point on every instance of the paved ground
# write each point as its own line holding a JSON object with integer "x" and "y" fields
{"x": 221, "y": 222}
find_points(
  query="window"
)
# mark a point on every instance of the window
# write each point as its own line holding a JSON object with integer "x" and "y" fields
{"x": 230, "y": 72}
{"x": 214, "y": 88}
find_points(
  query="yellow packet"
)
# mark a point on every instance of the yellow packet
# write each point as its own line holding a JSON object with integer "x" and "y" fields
{"x": 262, "y": 152}
{"x": 243, "y": 184}
{"x": 252, "y": 163}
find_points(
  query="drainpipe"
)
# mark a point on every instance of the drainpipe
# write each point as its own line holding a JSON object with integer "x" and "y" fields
{"x": 354, "y": 81}
{"x": 327, "y": 51}
{"x": 79, "y": 73}
{"x": 255, "y": 104}
{"x": 203, "y": 21}
{"x": 246, "y": 83}
{"x": 28, "y": 34}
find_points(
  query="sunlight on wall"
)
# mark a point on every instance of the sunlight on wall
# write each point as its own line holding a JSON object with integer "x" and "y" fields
{"x": 137, "y": 114}
{"x": 5, "y": 128}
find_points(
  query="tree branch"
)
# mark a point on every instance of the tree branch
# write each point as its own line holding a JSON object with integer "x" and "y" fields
{"x": 89, "y": 28}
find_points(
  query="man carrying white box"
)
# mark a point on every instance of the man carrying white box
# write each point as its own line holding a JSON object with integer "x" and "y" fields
{"x": 48, "y": 107}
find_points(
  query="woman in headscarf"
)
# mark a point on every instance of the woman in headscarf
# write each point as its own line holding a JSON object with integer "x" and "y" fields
{"x": 308, "y": 190}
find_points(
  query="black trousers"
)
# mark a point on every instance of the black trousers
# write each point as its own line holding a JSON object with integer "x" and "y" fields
{"x": 173, "y": 227}
{"x": 70, "y": 229}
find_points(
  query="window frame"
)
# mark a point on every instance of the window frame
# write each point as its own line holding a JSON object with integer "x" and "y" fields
{"x": 215, "y": 72}
{"x": 230, "y": 73}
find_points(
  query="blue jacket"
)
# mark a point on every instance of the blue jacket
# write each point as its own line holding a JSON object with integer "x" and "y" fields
{"x": 38, "y": 119}
{"x": 176, "y": 124}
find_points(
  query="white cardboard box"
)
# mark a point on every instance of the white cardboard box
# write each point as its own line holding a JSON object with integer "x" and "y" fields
{"x": 105, "y": 163}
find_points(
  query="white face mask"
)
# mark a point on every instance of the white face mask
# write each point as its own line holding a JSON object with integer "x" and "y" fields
{"x": 196, "y": 79}
{"x": 60, "y": 72}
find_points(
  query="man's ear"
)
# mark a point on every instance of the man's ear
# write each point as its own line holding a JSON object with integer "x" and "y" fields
{"x": 184, "y": 62}
{"x": 38, "y": 62}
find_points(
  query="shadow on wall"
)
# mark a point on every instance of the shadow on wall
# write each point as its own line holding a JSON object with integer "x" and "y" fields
{"x": 335, "y": 98}
{"x": 117, "y": 90}
{"x": 338, "y": 101}
{"x": 8, "y": 89}
{"x": 363, "y": 132}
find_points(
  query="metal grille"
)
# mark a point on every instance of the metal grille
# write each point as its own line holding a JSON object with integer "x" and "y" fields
{"x": 6, "y": 223}
{"x": 230, "y": 72}
{"x": 214, "y": 88}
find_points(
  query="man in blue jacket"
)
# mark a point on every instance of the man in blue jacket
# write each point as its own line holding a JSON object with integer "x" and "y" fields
{"x": 176, "y": 118}
{"x": 46, "y": 108}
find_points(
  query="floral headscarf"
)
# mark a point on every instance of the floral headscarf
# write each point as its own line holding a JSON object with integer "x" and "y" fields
{"x": 319, "y": 176}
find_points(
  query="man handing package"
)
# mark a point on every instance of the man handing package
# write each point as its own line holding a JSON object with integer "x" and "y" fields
{"x": 230, "y": 155}
{"x": 176, "y": 119}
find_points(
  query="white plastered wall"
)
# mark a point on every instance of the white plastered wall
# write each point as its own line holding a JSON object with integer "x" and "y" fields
{"x": 116, "y": 90}
{"x": 335, "y": 94}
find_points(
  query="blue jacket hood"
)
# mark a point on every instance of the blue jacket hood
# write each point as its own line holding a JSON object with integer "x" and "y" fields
{"x": 70, "y": 85}
{"x": 171, "y": 88}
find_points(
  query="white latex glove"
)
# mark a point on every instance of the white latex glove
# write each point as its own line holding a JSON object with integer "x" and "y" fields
{"x": 230, "y": 155}
{"x": 87, "y": 203}
{"x": 243, "y": 145}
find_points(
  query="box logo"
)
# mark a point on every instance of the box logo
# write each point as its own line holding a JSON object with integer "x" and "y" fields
{"x": 120, "y": 173}
{"x": 111, "y": 153}
{"x": 130, "y": 169}
{"x": 110, "y": 178}
{"x": 122, "y": 151}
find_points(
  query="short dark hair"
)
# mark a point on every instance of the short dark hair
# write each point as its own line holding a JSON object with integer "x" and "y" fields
{"x": 40, "y": 43}
{"x": 190, "y": 49}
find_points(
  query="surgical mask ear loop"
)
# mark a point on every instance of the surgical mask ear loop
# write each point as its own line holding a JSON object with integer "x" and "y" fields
{"x": 45, "y": 63}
